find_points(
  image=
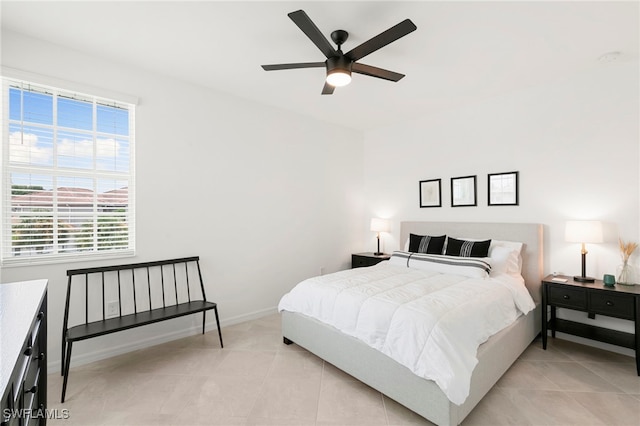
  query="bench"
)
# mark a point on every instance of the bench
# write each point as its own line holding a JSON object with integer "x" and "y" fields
{"x": 122, "y": 297}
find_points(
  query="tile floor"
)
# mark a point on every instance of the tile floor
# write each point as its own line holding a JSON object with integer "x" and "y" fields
{"x": 257, "y": 380}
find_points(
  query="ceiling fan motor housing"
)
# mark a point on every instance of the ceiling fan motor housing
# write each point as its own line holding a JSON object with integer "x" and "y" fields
{"x": 339, "y": 63}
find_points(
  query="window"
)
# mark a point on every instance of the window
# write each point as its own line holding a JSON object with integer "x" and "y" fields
{"x": 67, "y": 175}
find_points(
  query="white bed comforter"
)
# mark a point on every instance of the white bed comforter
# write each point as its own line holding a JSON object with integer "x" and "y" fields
{"x": 432, "y": 323}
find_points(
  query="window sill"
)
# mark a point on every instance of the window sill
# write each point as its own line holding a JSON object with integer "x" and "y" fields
{"x": 17, "y": 262}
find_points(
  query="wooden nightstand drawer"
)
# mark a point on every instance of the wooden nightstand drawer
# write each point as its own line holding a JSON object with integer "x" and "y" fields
{"x": 361, "y": 260}
{"x": 612, "y": 305}
{"x": 568, "y": 297}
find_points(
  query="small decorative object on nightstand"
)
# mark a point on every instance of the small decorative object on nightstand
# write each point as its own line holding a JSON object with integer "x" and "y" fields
{"x": 360, "y": 260}
{"x": 624, "y": 271}
{"x": 609, "y": 280}
{"x": 594, "y": 299}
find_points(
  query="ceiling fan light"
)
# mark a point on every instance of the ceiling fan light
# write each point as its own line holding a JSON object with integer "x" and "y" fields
{"x": 339, "y": 78}
{"x": 338, "y": 70}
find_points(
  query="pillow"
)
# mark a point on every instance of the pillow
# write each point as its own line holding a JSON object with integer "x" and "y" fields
{"x": 506, "y": 256}
{"x": 400, "y": 258}
{"x": 504, "y": 260}
{"x": 426, "y": 243}
{"x": 514, "y": 266}
{"x": 514, "y": 245}
{"x": 466, "y": 248}
{"x": 465, "y": 266}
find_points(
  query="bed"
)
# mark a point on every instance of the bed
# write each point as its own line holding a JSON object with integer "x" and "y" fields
{"x": 398, "y": 382}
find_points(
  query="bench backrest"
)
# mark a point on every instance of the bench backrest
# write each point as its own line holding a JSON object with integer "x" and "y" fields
{"x": 119, "y": 290}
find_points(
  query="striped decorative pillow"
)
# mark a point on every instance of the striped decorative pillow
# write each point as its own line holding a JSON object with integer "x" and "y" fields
{"x": 426, "y": 243}
{"x": 472, "y": 267}
{"x": 466, "y": 248}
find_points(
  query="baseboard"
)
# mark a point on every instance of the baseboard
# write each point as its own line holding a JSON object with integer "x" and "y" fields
{"x": 88, "y": 357}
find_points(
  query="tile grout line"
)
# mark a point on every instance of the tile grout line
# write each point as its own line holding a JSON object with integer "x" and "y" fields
{"x": 262, "y": 386}
{"x": 586, "y": 365}
{"x": 320, "y": 391}
{"x": 384, "y": 407}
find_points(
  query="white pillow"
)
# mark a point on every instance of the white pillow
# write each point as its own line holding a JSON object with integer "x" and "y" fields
{"x": 471, "y": 267}
{"x": 515, "y": 245}
{"x": 504, "y": 260}
{"x": 514, "y": 265}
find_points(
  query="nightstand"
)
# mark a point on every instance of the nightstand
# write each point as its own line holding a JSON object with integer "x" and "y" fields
{"x": 595, "y": 299}
{"x": 360, "y": 260}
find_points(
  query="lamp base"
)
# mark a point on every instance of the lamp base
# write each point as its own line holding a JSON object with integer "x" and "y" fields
{"x": 582, "y": 279}
{"x": 378, "y": 253}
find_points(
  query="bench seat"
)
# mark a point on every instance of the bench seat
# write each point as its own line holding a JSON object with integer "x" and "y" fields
{"x": 125, "y": 322}
{"x": 143, "y": 293}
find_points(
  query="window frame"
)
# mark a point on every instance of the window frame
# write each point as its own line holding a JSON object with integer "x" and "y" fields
{"x": 7, "y": 258}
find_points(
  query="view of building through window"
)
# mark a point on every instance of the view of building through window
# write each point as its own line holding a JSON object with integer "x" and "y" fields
{"x": 68, "y": 172}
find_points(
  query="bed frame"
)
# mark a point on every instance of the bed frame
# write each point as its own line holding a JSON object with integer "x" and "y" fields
{"x": 422, "y": 396}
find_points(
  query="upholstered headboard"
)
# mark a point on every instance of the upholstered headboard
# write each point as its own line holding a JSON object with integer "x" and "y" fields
{"x": 528, "y": 233}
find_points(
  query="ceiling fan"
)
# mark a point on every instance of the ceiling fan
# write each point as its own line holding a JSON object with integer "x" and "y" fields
{"x": 340, "y": 65}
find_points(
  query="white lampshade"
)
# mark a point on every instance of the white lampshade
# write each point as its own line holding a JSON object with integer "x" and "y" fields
{"x": 379, "y": 225}
{"x": 583, "y": 231}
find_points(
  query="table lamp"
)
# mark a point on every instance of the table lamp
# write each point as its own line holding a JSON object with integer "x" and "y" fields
{"x": 583, "y": 231}
{"x": 379, "y": 225}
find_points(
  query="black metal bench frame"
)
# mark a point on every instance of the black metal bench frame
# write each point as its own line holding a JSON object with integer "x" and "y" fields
{"x": 138, "y": 318}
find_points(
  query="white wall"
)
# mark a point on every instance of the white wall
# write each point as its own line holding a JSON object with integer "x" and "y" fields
{"x": 265, "y": 197}
{"x": 575, "y": 142}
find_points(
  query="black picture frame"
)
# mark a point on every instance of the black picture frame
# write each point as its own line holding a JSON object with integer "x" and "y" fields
{"x": 464, "y": 191}
{"x": 503, "y": 189}
{"x": 431, "y": 193}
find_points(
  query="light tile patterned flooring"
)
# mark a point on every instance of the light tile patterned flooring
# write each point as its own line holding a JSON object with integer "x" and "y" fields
{"x": 257, "y": 380}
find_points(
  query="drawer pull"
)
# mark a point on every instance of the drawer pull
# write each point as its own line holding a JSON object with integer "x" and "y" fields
{"x": 566, "y": 297}
{"x": 28, "y": 351}
{"x": 609, "y": 303}
{"x": 40, "y": 357}
{"x": 33, "y": 389}
{"x": 41, "y": 315}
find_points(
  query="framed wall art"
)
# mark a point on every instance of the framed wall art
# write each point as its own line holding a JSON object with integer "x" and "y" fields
{"x": 430, "y": 191}
{"x": 503, "y": 189}
{"x": 463, "y": 191}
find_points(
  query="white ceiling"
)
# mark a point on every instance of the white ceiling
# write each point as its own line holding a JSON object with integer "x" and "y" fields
{"x": 461, "y": 52}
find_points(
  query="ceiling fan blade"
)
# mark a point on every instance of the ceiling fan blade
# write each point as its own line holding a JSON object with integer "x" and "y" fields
{"x": 302, "y": 20}
{"x": 376, "y": 72}
{"x": 381, "y": 40}
{"x": 328, "y": 89}
{"x": 276, "y": 67}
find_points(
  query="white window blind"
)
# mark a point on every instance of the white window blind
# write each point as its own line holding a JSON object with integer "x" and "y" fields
{"x": 67, "y": 175}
